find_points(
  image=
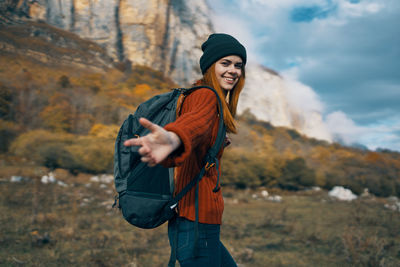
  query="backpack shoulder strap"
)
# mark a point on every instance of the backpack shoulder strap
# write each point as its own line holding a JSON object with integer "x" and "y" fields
{"x": 179, "y": 103}
{"x": 210, "y": 159}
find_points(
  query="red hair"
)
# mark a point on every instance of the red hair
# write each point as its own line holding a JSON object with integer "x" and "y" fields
{"x": 229, "y": 99}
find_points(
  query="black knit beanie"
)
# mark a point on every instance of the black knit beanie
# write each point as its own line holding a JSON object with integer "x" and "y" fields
{"x": 219, "y": 45}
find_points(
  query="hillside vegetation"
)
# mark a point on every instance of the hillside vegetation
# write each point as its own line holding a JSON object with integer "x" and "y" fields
{"x": 60, "y": 115}
{"x": 269, "y": 156}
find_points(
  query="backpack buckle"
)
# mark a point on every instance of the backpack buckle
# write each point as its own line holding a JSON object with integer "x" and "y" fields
{"x": 116, "y": 202}
{"x": 209, "y": 166}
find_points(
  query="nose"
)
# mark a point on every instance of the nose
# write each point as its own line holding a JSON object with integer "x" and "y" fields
{"x": 233, "y": 70}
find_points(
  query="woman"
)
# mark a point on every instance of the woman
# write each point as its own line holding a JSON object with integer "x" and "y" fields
{"x": 184, "y": 144}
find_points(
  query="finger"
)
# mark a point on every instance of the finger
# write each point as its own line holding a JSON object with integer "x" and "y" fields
{"x": 149, "y": 161}
{"x": 145, "y": 159}
{"x": 133, "y": 142}
{"x": 144, "y": 150}
{"x": 149, "y": 125}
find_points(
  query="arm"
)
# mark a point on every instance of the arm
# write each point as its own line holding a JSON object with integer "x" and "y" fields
{"x": 192, "y": 128}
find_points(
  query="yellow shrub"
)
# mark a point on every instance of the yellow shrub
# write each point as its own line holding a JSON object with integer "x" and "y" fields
{"x": 8, "y": 131}
{"x": 93, "y": 155}
{"x": 142, "y": 90}
{"x": 60, "y": 150}
{"x": 104, "y": 131}
{"x": 26, "y": 144}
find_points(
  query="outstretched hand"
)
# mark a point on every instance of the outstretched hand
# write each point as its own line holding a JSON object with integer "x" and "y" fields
{"x": 157, "y": 145}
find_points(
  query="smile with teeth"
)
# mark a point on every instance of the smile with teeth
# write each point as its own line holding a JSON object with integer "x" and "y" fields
{"x": 229, "y": 80}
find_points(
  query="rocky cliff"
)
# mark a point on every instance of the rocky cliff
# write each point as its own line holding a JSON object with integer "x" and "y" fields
{"x": 166, "y": 35}
{"x": 163, "y": 34}
{"x": 282, "y": 102}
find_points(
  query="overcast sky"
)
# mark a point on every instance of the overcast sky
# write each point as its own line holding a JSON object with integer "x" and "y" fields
{"x": 347, "y": 51}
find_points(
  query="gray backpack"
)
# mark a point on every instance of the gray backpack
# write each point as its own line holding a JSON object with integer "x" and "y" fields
{"x": 146, "y": 194}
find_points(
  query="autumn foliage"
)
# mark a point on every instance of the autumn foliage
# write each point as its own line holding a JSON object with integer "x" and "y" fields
{"x": 62, "y": 116}
{"x": 68, "y": 118}
{"x": 280, "y": 157}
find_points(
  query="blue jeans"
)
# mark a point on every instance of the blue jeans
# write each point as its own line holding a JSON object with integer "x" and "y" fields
{"x": 210, "y": 250}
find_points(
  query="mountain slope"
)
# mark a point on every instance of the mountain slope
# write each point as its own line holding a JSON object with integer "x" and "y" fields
{"x": 62, "y": 100}
{"x": 166, "y": 36}
{"x": 50, "y": 45}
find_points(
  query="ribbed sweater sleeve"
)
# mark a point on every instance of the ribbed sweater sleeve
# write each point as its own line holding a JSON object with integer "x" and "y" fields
{"x": 194, "y": 126}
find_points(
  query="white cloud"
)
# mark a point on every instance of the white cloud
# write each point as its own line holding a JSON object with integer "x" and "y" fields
{"x": 231, "y": 25}
{"x": 273, "y": 12}
{"x": 343, "y": 128}
{"x": 300, "y": 95}
{"x": 383, "y": 134}
{"x": 275, "y": 4}
{"x": 362, "y": 8}
{"x": 343, "y": 63}
{"x": 373, "y": 7}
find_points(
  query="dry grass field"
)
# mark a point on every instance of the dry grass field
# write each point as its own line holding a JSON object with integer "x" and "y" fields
{"x": 70, "y": 222}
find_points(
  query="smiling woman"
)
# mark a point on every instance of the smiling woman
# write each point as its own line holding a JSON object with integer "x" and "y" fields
{"x": 195, "y": 232}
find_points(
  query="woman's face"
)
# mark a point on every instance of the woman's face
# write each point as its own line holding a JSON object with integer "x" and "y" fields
{"x": 228, "y": 71}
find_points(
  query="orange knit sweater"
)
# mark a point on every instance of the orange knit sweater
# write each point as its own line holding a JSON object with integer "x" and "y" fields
{"x": 197, "y": 127}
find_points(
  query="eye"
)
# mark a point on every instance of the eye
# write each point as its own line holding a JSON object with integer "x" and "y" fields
{"x": 225, "y": 63}
{"x": 239, "y": 65}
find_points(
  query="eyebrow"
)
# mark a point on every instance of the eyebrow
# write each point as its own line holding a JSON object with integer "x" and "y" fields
{"x": 230, "y": 61}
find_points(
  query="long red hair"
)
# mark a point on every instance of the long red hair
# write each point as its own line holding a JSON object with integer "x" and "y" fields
{"x": 229, "y": 99}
